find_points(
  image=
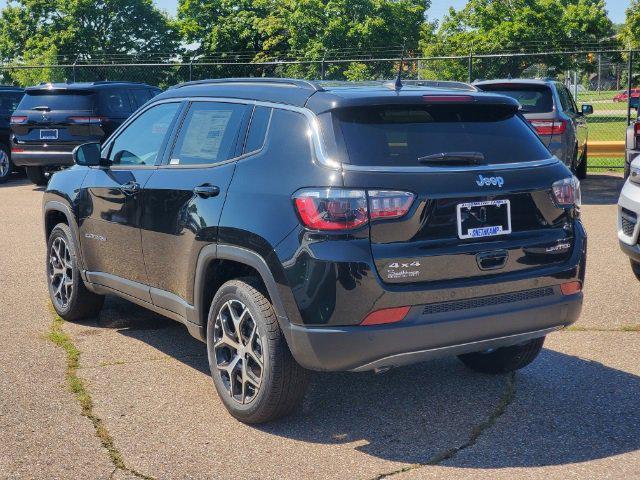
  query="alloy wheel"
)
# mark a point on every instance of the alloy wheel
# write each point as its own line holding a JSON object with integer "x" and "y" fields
{"x": 61, "y": 272}
{"x": 238, "y": 351}
{"x": 5, "y": 167}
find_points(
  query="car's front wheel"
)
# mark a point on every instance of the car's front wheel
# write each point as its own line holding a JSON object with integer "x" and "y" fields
{"x": 6, "y": 167}
{"x": 253, "y": 371}
{"x": 69, "y": 296}
{"x": 37, "y": 176}
{"x": 504, "y": 359}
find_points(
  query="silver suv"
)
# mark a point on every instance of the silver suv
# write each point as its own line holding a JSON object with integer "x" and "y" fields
{"x": 550, "y": 108}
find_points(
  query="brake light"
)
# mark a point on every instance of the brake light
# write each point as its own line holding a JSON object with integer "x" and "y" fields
{"x": 331, "y": 208}
{"x": 18, "y": 119}
{"x": 387, "y": 204}
{"x": 17, "y": 150}
{"x": 447, "y": 98}
{"x": 386, "y": 315}
{"x": 549, "y": 127}
{"x": 566, "y": 192}
{"x": 89, "y": 120}
{"x": 570, "y": 288}
{"x": 345, "y": 209}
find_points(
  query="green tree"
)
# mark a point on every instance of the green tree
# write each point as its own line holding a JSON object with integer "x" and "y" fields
{"x": 630, "y": 31}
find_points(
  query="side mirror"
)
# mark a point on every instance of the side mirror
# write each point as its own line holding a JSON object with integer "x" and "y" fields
{"x": 88, "y": 155}
{"x": 587, "y": 109}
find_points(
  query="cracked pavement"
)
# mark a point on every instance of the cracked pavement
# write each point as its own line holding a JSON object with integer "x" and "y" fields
{"x": 571, "y": 414}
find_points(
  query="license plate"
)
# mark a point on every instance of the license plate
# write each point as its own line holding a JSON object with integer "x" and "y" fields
{"x": 484, "y": 219}
{"x": 48, "y": 134}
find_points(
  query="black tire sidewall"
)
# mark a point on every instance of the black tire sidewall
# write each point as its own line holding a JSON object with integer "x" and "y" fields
{"x": 4, "y": 148}
{"x": 236, "y": 290}
{"x": 63, "y": 231}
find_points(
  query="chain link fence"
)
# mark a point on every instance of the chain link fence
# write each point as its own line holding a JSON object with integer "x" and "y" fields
{"x": 599, "y": 78}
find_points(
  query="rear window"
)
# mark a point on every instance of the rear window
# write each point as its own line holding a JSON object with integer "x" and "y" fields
{"x": 399, "y": 135}
{"x": 115, "y": 103}
{"x": 533, "y": 98}
{"x": 60, "y": 100}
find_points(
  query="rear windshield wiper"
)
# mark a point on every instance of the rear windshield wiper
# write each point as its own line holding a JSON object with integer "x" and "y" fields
{"x": 462, "y": 158}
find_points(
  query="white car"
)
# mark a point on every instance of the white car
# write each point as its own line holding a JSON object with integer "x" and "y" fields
{"x": 628, "y": 213}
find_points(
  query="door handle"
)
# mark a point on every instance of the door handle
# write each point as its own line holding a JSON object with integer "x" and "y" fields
{"x": 206, "y": 191}
{"x": 130, "y": 188}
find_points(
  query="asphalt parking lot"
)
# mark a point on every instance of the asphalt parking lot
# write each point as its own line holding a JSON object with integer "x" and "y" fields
{"x": 149, "y": 409}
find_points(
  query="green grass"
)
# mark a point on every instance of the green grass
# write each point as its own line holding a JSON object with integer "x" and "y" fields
{"x": 598, "y": 164}
{"x": 606, "y": 128}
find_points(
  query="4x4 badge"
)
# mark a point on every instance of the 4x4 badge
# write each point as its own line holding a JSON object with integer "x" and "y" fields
{"x": 487, "y": 181}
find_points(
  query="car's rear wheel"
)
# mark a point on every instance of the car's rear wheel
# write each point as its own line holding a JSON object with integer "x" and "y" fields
{"x": 37, "y": 175}
{"x": 504, "y": 359}
{"x": 635, "y": 268}
{"x": 253, "y": 371}
{"x": 69, "y": 296}
{"x": 581, "y": 168}
{"x": 6, "y": 167}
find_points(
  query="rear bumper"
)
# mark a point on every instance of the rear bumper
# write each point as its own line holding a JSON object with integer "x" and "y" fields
{"x": 42, "y": 158}
{"x": 424, "y": 336}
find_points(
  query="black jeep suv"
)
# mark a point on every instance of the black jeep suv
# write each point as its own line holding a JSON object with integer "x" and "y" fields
{"x": 53, "y": 118}
{"x": 294, "y": 226}
{"x": 9, "y": 99}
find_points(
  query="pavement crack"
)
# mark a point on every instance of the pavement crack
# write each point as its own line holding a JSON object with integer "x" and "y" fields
{"x": 60, "y": 338}
{"x": 476, "y": 432}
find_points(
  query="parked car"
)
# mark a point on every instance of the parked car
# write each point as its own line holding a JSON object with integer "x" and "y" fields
{"x": 294, "y": 226}
{"x": 9, "y": 99}
{"x": 628, "y": 212}
{"x": 53, "y": 118}
{"x": 624, "y": 95}
{"x": 632, "y": 144}
{"x": 550, "y": 109}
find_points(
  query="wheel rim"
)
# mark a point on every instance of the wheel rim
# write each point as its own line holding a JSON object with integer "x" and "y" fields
{"x": 4, "y": 164}
{"x": 238, "y": 351}
{"x": 60, "y": 272}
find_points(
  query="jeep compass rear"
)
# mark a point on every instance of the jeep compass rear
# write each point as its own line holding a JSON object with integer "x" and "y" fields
{"x": 294, "y": 226}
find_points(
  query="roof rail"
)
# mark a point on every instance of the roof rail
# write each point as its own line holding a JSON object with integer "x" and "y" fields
{"x": 291, "y": 82}
{"x": 448, "y": 84}
{"x": 104, "y": 82}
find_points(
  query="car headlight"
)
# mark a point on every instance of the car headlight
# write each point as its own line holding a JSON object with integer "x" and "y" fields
{"x": 566, "y": 192}
{"x": 634, "y": 172}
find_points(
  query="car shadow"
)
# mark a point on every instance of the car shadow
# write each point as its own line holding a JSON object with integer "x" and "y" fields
{"x": 565, "y": 409}
{"x": 601, "y": 189}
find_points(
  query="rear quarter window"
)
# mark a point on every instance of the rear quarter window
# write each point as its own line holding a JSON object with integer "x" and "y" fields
{"x": 399, "y": 135}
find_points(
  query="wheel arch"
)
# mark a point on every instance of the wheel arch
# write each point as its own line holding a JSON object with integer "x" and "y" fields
{"x": 248, "y": 261}
{"x": 55, "y": 212}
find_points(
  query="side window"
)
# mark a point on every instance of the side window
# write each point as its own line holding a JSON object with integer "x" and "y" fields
{"x": 209, "y": 133}
{"x": 140, "y": 142}
{"x": 115, "y": 103}
{"x": 257, "y": 129}
{"x": 139, "y": 96}
{"x": 565, "y": 101}
{"x": 572, "y": 101}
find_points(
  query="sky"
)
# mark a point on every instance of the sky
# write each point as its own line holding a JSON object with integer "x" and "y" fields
{"x": 438, "y": 8}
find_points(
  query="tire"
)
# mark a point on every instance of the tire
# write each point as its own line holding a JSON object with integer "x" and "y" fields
{"x": 504, "y": 359}
{"x": 36, "y": 175}
{"x": 6, "y": 166}
{"x": 69, "y": 296}
{"x": 635, "y": 268}
{"x": 251, "y": 393}
{"x": 581, "y": 169}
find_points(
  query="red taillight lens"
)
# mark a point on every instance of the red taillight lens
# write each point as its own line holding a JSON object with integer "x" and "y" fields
{"x": 386, "y": 315}
{"x": 387, "y": 204}
{"x": 447, "y": 98}
{"x": 569, "y": 288}
{"x": 549, "y": 127}
{"x": 345, "y": 209}
{"x": 566, "y": 192}
{"x": 636, "y": 128}
{"x": 17, "y": 150}
{"x": 331, "y": 208}
{"x": 18, "y": 119}
{"x": 88, "y": 120}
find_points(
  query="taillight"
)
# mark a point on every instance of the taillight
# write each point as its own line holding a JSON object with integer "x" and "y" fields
{"x": 571, "y": 288}
{"x": 447, "y": 98}
{"x": 387, "y": 204}
{"x": 88, "y": 120}
{"x": 18, "y": 119}
{"x": 386, "y": 315}
{"x": 331, "y": 208}
{"x": 549, "y": 127}
{"x": 346, "y": 209}
{"x": 566, "y": 192}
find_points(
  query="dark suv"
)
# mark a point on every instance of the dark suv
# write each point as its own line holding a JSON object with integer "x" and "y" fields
{"x": 294, "y": 226}
{"x": 9, "y": 99}
{"x": 53, "y": 118}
